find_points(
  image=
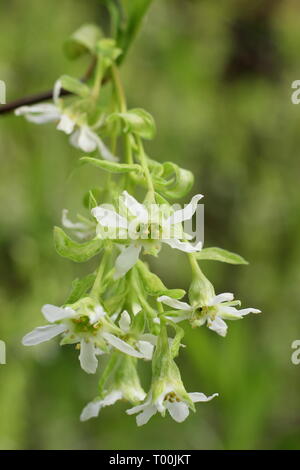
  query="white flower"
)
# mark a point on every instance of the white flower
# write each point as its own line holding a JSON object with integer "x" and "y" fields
{"x": 217, "y": 308}
{"x": 82, "y": 136}
{"x": 169, "y": 400}
{"x": 91, "y": 328}
{"x": 92, "y": 409}
{"x": 125, "y": 386}
{"x": 144, "y": 227}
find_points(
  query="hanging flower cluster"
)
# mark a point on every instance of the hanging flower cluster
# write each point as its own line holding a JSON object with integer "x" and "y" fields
{"x": 123, "y": 314}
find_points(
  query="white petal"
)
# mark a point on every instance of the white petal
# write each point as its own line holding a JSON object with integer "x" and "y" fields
{"x": 42, "y": 333}
{"x": 67, "y": 223}
{"x": 75, "y": 138}
{"x": 146, "y": 349}
{"x": 126, "y": 260}
{"x": 174, "y": 303}
{"x": 135, "y": 208}
{"x": 53, "y": 313}
{"x": 187, "y": 212}
{"x": 177, "y": 318}
{"x": 104, "y": 151}
{"x": 149, "y": 338}
{"x": 218, "y": 325}
{"x": 121, "y": 345}
{"x": 40, "y": 113}
{"x": 87, "y": 357}
{"x": 125, "y": 321}
{"x": 112, "y": 397}
{"x": 137, "y": 409}
{"x": 178, "y": 410}
{"x": 56, "y": 90}
{"x": 245, "y": 311}
{"x": 226, "y": 297}
{"x": 183, "y": 246}
{"x": 108, "y": 218}
{"x": 232, "y": 313}
{"x": 87, "y": 139}
{"x": 91, "y": 410}
{"x": 144, "y": 417}
{"x": 96, "y": 314}
{"x": 66, "y": 124}
{"x": 136, "y": 308}
{"x": 197, "y": 397}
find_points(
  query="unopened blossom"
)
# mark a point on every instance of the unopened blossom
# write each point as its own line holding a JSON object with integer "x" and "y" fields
{"x": 144, "y": 343}
{"x": 217, "y": 309}
{"x": 82, "y": 136}
{"x": 91, "y": 328}
{"x": 144, "y": 227}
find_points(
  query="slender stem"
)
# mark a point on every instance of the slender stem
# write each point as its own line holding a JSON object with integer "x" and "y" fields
{"x": 143, "y": 160}
{"x": 96, "y": 287}
{"x": 128, "y": 150}
{"x": 160, "y": 307}
{"x": 119, "y": 89}
{"x": 98, "y": 79}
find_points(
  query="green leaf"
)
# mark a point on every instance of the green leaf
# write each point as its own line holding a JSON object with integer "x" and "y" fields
{"x": 131, "y": 15}
{"x": 111, "y": 167}
{"x": 80, "y": 287}
{"x": 136, "y": 121}
{"x": 153, "y": 284}
{"x": 78, "y": 252}
{"x": 218, "y": 254}
{"x": 174, "y": 293}
{"x": 74, "y": 86}
{"x": 175, "y": 182}
{"x": 83, "y": 41}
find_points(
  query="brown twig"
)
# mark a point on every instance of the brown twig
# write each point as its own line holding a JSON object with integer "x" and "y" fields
{"x": 43, "y": 96}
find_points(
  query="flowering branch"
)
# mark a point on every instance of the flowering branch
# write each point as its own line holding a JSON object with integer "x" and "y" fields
{"x": 123, "y": 310}
{"x": 44, "y": 95}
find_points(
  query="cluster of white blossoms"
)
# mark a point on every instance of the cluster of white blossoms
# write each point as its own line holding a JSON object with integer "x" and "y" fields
{"x": 123, "y": 311}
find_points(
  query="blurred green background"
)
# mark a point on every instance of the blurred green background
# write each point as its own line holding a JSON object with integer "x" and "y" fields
{"x": 217, "y": 78}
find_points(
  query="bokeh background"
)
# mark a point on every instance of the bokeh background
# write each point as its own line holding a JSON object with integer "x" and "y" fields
{"x": 217, "y": 78}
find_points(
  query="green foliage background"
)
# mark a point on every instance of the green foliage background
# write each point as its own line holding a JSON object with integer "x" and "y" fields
{"x": 217, "y": 78}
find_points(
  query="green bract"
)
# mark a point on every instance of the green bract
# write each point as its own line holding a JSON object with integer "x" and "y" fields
{"x": 74, "y": 86}
{"x": 75, "y": 251}
{"x": 83, "y": 41}
{"x": 135, "y": 121}
{"x": 153, "y": 284}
